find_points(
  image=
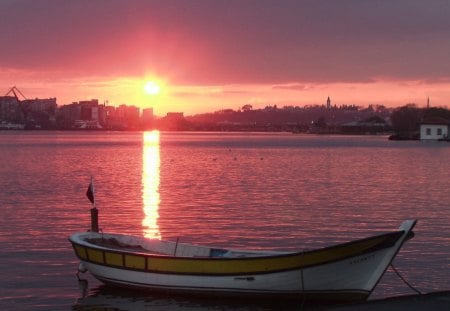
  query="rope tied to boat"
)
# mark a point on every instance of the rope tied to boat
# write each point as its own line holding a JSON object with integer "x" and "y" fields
{"x": 404, "y": 280}
{"x": 303, "y": 283}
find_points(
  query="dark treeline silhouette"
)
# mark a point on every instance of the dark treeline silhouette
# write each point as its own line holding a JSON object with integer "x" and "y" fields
{"x": 406, "y": 120}
{"x": 288, "y": 118}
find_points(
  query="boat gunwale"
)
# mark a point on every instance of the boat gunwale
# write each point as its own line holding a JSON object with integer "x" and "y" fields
{"x": 267, "y": 255}
{"x": 387, "y": 240}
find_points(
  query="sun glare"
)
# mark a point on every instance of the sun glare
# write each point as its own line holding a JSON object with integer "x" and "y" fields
{"x": 150, "y": 182}
{"x": 152, "y": 88}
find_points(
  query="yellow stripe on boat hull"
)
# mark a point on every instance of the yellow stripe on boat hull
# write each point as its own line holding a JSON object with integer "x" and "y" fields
{"x": 232, "y": 266}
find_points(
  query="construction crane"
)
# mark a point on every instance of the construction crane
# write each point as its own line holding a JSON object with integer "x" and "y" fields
{"x": 23, "y": 107}
{"x": 13, "y": 90}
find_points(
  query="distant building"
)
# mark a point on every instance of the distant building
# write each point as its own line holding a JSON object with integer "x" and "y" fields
{"x": 110, "y": 111}
{"x": 110, "y": 120}
{"x": 8, "y": 100}
{"x": 173, "y": 121}
{"x": 328, "y": 103}
{"x": 34, "y": 113}
{"x": 91, "y": 113}
{"x": 370, "y": 125}
{"x": 175, "y": 116}
{"x": 147, "y": 118}
{"x": 86, "y": 114}
{"x": 67, "y": 115}
{"x": 87, "y": 125}
{"x": 10, "y": 110}
{"x": 434, "y": 129}
{"x": 42, "y": 105}
{"x": 89, "y": 110}
{"x": 40, "y": 113}
{"x": 129, "y": 116}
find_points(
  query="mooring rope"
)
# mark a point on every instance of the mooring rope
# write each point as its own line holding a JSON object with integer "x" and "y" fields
{"x": 303, "y": 283}
{"x": 404, "y": 281}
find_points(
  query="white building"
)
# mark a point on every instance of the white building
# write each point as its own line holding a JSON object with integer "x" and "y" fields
{"x": 434, "y": 129}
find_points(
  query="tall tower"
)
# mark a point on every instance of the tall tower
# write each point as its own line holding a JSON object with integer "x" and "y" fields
{"x": 328, "y": 102}
{"x": 428, "y": 102}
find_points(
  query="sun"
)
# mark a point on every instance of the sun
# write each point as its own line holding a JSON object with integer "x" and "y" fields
{"x": 152, "y": 88}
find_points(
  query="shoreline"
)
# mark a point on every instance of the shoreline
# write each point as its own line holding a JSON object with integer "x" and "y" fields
{"x": 436, "y": 301}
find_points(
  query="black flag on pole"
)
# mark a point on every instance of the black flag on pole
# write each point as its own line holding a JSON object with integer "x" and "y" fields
{"x": 90, "y": 192}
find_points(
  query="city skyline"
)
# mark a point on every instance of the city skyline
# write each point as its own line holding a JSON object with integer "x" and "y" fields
{"x": 206, "y": 56}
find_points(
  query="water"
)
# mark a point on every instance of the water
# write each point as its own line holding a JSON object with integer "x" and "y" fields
{"x": 261, "y": 191}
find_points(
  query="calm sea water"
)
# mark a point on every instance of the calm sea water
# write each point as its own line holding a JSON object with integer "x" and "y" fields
{"x": 260, "y": 191}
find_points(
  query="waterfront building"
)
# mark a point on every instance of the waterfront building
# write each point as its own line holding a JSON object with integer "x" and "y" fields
{"x": 127, "y": 116}
{"x": 147, "y": 118}
{"x": 173, "y": 121}
{"x": 175, "y": 116}
{"x": 40, "y": 113}
{"x": 10, "y": 109}
{"x": 32, "y": 113}
{"x": 434, "y": 129}
{"x": 40, "y": 105}
{"x": 89, "y": 110}
{"x": 67, "y": 115}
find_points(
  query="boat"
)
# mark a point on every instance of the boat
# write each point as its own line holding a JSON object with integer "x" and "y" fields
{"x": 343, "y": 272}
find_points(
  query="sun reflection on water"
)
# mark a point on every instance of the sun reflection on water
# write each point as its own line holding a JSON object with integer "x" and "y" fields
{"x": 150, "y": 183}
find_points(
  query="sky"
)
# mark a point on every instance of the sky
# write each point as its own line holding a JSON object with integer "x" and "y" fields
{"x": 208, "y": 55}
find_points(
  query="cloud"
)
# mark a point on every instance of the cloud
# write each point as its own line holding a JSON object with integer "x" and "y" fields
{"x": 229, "y": 41}
{"x": 293, "y": 87}
{"x": 210, "y": 91}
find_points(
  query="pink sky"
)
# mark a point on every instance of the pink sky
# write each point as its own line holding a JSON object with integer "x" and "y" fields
{"x": 217, "y": 54}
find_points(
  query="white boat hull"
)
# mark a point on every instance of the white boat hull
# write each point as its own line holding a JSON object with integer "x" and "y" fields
{"x": 339, "y": 276}
{"x": 347, "y": 278}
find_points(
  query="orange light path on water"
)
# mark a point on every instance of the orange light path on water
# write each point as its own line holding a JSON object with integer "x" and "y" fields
{"x": 150, "y": 184}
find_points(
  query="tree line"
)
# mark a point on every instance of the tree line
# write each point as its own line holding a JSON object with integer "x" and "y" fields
{"x": 406, "y": 120}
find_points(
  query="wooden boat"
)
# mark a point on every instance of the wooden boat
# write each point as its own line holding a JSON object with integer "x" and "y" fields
{"x": 344, "y": 272}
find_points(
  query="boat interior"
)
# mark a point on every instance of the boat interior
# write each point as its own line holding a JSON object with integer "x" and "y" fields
{"x": 168, "y": 248}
